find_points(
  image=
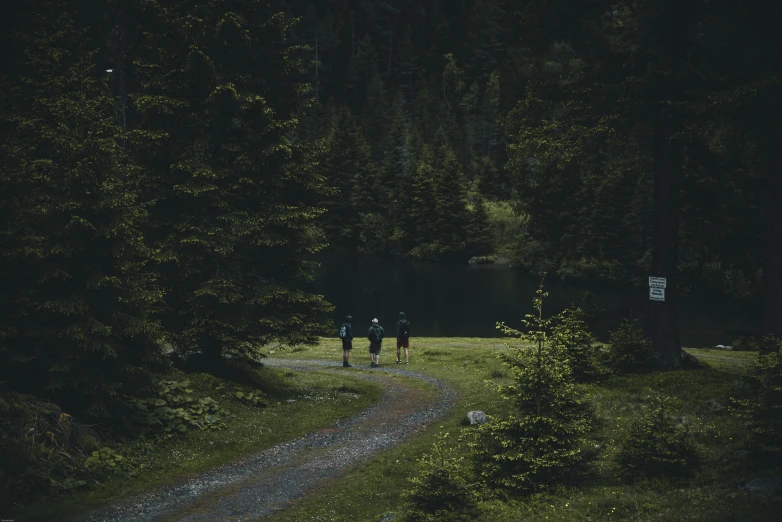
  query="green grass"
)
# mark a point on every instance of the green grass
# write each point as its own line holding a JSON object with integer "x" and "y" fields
{"x": 321, "y": 399}
{"x": 373, "y": 489}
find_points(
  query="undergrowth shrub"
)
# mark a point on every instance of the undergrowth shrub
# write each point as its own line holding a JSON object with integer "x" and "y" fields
{"x": 442, "y": 489}
{"x": 543, "y": 441}
{"x": 628, "y": 350}
{"x": 745, "y": 343}
{"x": 174, "y": 408}
{"x": 42, "y": 449}
{"x": 759, "y": 404}
{"x": 658, "y": 444}
{"x": 572, "y": 338}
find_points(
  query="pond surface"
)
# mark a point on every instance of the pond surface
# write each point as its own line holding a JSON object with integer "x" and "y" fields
{"x": 461, "y": 300}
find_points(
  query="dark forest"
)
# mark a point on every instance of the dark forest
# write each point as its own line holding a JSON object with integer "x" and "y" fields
{"x": 169, "y": 168}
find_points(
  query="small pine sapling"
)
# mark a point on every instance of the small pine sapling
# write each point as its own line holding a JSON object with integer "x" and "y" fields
{"x": 442, "y": 490}
{"x": 658, "y": 444}
{"x": 542, "y": 441}
{"x": 629, "y": 351}
{"x": 572, "y": 337}
{"x": 760, "y": 402}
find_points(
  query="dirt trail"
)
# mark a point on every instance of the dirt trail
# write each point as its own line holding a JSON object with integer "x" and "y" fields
{"x": 257, "y": 486}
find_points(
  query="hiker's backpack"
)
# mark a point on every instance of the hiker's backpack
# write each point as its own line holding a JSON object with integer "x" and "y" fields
{"x": 343, "y": 332}
{"x": 404, "y": 330}
{"x": 374, "y": 335}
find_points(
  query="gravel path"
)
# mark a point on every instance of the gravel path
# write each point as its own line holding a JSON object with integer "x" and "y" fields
{"x": 256, "y": 486}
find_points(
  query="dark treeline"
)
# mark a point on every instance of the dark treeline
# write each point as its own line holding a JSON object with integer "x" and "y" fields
{"x": 152, "y": 194}
{"x": 174, "y": 199}
{"x": 429, "y": 109}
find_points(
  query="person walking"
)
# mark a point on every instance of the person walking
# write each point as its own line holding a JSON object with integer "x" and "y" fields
{"x": 402, "y": 338}
{"x": 375, "y": 336}
{"x": 346, "y": 334}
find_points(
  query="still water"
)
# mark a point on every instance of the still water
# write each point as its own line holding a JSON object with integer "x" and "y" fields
{"x": 461, "y": 300}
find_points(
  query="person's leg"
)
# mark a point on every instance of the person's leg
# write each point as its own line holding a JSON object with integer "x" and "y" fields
{"x": 407, "y": 355}
{"x": 398, "y": 354}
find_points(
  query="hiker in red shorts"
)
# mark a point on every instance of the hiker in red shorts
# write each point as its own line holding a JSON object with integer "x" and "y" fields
{"x": 402, "y": 338}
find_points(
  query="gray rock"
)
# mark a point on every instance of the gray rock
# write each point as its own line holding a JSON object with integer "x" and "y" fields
{"x": 480, "y": 260}
{"x": 476, "y": 417}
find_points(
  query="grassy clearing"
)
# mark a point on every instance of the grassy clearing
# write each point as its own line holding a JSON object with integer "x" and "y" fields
{"x": 373, "y": 489}
{"x": 320, "y": 400}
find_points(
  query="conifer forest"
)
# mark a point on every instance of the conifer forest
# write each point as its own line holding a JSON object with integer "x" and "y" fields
{"x": 168, "y": 169}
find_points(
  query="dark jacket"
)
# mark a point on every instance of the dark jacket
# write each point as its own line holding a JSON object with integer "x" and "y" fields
{"x": 399, "y": 324}
{"x": 348, "y": 331}
{"x": 380, "y": 332}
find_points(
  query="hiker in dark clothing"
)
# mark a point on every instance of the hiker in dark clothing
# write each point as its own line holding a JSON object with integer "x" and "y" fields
{"x": 346, "y": 334}
{"x": 402, "y": 338}
{"x": 375, "y": 336}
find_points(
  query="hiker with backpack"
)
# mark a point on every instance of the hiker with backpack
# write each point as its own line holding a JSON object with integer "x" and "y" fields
{"x": 402, "y": 338}
{"x": 346, "y": 334}
{"x": 376, "y": 334}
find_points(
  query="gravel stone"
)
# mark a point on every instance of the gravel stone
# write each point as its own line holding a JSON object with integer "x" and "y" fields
{"x": 261, "y": 484}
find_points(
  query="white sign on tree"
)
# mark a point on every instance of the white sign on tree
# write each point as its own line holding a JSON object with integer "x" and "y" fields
{"x": 657, "y": 282}
{"x": 656, "y": 294}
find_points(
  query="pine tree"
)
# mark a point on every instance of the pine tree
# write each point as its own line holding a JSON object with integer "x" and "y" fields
{"x": 78, "y": 285}
{"x": 349, "y": 173}
{"x": 425, "y": 109}
{"x": 237, "y": 198}
{"x": 479, "y": 237}
{"x": 417, "y": 223}
{"x": 484, "y": 38}
{"x": 490, "y": 115}
{"x": 407, "y": 68}
{"x": 375, "y": 117}
{"x": 450, "y": 226}
{"x": 398, "y": 162}
{"x": 363, "y": 67}
{"x": 542, "y": 442}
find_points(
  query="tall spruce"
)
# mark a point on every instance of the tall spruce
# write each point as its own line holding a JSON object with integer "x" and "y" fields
{"x": 350, "y": 176}
{"x": 450, "y": 225}
{"x": 75, "y": 260}
{"x": 237, "y": 197}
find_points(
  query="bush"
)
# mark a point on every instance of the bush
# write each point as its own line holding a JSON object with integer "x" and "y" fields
{"x": 173, "y": 408}
{"x": 760, "y": 403}
{"x": 745, "y": 343}
{"x": 629, "y": 351}
{"x": 572, "y": 337}
{"x": 442, "y": 490}
{"x": 658, "y": 445}
{"x": 506, "y": 224}
{"x": 542, "y": 442}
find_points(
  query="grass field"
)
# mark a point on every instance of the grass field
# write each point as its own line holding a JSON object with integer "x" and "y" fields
{"x": 373, "y": 490}
{"x": 320, "y": 400}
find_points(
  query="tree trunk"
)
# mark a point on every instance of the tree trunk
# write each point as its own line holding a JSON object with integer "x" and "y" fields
{"x": 663, "y": 315}
{"x": 317, "y": 71}
{"x": 771, "y": 319}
